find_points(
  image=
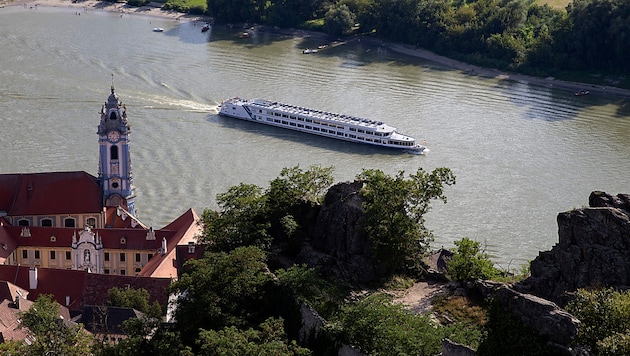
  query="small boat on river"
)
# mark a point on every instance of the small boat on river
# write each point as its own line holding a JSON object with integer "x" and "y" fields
{"x": 581, "y": 93}
{"x": 158, "y": 29}
{"x": 322, "y": 123}
{"x": 205, "y": 27}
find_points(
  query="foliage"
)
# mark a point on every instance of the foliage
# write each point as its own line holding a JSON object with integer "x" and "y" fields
{"x": 379, "y": 327}
{"x": 269, "y": 340}
{"x": 465, "y": 316}
{"x": 248, "y": 215}
{"x": 159, "y": 341}
{"x": 134, "y": 298}
{"x": 51, "y": 334}
{"x": 605, "y": 317}
{"x": 339, "y": 20}
{"x": 521, "y": 35}
{"x": 469, "y": 262}
{"x": 295, "y": 184}
{"x": 394, "y": 209}
{"x": 198, "y": 7}
{"x": 505, "y": 335}
{"x": 616, "y": 344}
{"x": 222, "y": 289}
{"x": 242, "y": 220}
{"x": 307, "y": 285}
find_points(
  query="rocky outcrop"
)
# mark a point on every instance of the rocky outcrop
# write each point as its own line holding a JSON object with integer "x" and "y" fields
{"x": 451, "y": 348}
{"x": 593, "y": 250}
{"x": 546, "y": 318}
{"x": 337, "y": 243}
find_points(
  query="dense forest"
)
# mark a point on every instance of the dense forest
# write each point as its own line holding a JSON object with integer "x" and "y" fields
{"x": 516, "y": 35}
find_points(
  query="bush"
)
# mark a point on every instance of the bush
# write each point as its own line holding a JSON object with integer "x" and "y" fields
{"x": 378, "y": 327}
{"x": 605, "y": 317}
{"x": 469, "y": 262}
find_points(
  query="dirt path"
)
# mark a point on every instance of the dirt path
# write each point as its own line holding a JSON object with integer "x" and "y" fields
{"x": 418, "y": 298}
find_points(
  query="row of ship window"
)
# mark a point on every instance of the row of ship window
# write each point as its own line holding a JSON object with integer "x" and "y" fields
{"x": 315, "y": 128}
{"x": 323, "y": 123}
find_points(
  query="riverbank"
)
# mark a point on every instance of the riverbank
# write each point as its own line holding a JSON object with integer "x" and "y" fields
{"x": 80, "y": 6}
{"x": 154, "y": 10}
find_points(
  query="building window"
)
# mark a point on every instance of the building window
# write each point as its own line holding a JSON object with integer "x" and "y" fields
{"x": 24, "y": 253}
{"x": 137, "y": 270}
{"x": 106, "y": 271}
{"x": 37, "y": 254}
{"x": 138, "y": 257}
{"x": 68, "y": 256}
{"x": 53, "y": 255}
{"x": 122, "y": 257}
{"x": 114, "y": 152}
{"x": 107, "y": 256}
{"x": 91, "y": 222}
{"x": 123, "y": 272}
{"x": 46, "y": 222}
{"x": 23, "y": 222}
{"x": 149, "y": 256}
{"x": 68, "y": 222}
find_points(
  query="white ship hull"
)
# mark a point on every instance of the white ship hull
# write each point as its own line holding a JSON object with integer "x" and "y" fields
{"x": 317, "y": 122}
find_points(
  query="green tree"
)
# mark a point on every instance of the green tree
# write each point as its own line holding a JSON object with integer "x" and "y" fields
{"x": 295, "y": 185}
{"x": 395, "y": 209}
{"x": 270, "y": 339}
{"x": 242, "y": 220}
{"x": 222, "y": 289}
{"x": 339, "y": 20}
{"x": 134, "y": 298}
{"x": 469, "y": 262}
{"x": 52, "y": 335}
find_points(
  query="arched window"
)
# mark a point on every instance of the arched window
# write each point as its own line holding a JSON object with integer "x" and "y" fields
{"x": 69, "y": 222}
{"x": 23, "y": 222}
{"x": 91, "y": 222}
{"x": 113, "y": 152}
{"x": 47, "y": 222}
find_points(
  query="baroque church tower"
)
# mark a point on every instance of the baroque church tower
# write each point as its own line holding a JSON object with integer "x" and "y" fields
{"x": 114, "y": 167}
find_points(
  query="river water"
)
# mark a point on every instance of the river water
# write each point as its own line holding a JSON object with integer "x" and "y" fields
{"x": 521, "y": 153}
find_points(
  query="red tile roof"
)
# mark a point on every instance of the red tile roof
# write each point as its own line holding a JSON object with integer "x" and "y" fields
{"x": 186, "y": 229}
{"x": 50, "y": 193}
{"x": 134, "y": 239}
{"x": 80, "y": 287}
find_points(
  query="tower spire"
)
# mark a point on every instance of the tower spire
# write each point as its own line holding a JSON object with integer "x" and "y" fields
{"x": 115, "y": 173}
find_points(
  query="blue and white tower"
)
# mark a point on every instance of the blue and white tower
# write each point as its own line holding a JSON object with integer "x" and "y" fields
{"x": 114, "y": 167}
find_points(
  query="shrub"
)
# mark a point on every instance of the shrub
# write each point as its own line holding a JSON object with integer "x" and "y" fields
{"x": 605, "y": 317}
{"x": 378, "y": 327}
{"x": 469, "y": 262}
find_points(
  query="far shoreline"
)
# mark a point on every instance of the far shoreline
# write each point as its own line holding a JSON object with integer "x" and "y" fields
{"x": 471, "y": 69}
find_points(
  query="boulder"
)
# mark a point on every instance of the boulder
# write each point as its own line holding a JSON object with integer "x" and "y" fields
{"x": 593, "y": 250}
{"x": 337, "y": 244}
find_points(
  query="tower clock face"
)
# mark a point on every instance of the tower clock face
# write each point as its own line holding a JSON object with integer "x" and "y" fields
{"x": 113, "y": 136}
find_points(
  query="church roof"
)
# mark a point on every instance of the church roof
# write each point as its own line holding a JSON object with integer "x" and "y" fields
{"x": 49, "y": 193}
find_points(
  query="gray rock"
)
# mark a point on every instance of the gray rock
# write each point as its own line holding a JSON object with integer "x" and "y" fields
{"x": 593, "y": 250}
{"x": 338, "y": 245}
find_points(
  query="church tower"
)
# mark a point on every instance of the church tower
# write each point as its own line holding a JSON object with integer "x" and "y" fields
{"x": 114, "y": 167}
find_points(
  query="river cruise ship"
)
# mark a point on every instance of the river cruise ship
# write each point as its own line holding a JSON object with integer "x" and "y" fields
{"x": 323, "y": 123}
